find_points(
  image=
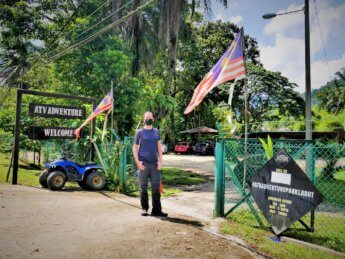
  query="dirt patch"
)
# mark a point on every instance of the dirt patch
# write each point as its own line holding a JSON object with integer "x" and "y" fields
{"x": 75, "y": 223}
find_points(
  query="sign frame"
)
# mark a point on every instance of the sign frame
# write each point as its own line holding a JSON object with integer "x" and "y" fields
{"x": 20, "y": 93}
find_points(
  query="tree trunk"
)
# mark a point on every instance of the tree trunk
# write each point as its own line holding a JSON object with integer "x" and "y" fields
{"x": 115, "y": 5}
{"x": 136, "y": 34}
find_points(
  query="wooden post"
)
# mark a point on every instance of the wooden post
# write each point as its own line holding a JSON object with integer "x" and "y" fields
{"x": 16, "y": 137}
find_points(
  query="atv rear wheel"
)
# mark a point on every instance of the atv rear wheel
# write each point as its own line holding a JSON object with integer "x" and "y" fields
{"x": 95, "y": 181}
{"x": 56, "y": 180}
{"x": 43, "y": 179}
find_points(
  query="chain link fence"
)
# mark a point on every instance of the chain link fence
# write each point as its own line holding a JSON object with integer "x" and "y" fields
{"x": 326, "y": 170}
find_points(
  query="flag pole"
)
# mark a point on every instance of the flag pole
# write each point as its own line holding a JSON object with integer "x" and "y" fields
{"x": 112, "y": 111}
{"x": 245, "y": 114}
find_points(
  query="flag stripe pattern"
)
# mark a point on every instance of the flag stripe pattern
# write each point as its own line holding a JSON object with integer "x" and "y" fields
{"x": 230, "y": 66}
{"x": 105, "y": 105}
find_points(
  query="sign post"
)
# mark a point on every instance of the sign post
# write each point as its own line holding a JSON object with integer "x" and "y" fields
{"x": 49, "y": 111}
{"x": 283, "y": 192}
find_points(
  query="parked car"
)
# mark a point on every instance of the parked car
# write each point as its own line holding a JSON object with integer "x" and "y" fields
{"x": 183, "y": 147}
{"x": 164, "y": 148}
{"x": 204, "y": 148}
{"x": 89, "y": 176}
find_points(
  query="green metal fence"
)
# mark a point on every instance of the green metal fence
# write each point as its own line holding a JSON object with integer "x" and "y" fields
{"x": 130, "y": 169}
{"x": 325, "y": 168}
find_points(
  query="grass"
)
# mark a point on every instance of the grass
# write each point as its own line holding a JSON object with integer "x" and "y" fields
{"x": 168, "y": 191}
{"x": 174, "y": 176}
{"x": 259, "y": 240}
{"x": 329, "y": 231}
{"x": 26, "y": 174}
{"x": 171, "y": 176}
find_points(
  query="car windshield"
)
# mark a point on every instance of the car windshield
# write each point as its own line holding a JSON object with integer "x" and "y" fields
{"x": 182, "y": 144}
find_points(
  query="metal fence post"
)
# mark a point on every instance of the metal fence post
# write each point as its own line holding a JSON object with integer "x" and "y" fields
{"x": 124, "y": 163}
{"x": 219, "y": 181}
{"x": 313, "y": 179}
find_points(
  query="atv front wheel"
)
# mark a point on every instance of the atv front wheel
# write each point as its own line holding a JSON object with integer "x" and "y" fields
{"x": 43, "y": 179}
{"x": 56, "y": 181}
{"x": 95, "y": 181}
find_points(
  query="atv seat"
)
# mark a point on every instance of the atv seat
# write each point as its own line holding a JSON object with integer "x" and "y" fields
{"x": 86, "y": 164}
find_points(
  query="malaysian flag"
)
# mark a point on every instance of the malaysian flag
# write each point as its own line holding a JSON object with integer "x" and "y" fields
{"x": 105, "y": 105}
{"x": 230, "y": 66}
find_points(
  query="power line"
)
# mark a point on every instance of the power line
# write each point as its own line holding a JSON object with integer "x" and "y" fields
{"x": 93, "y": 26}
{"x": 63, "y": 36}
{"x": 69, "y": 32}
{"x": 66, "y": 23}
{"x": 322, "y": 40}
{"x": 116, "y": 11}
{"x": 100, "y": 32}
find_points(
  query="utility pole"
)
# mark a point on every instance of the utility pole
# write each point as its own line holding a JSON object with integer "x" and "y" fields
{"x": 308, "y": 122}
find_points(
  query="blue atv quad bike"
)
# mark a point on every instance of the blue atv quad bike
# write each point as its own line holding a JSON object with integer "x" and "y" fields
{"x": 89, "y": 176}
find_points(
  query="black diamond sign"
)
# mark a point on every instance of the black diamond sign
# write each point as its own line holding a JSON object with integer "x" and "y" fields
{"x": 283, "y": 192}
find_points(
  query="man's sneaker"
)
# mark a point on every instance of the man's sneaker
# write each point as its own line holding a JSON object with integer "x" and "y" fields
{"x": 159, "y": 214}
{"x": 144, "y": 213}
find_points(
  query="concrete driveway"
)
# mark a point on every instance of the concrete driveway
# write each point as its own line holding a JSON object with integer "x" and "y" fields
{"x": 196, "y": 201}
{"x": 203, "y": 165}
{"x": 38, "y": 223}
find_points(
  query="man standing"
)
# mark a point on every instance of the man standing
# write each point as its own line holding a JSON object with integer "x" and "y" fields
{"x": 147, "y": 152}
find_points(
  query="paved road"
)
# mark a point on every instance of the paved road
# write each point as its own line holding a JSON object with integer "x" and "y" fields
{"x": 196, "y": 201}
{"x": 38, "y": 223}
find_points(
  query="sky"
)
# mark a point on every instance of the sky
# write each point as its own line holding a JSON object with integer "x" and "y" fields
{"x": 281, "y": 39}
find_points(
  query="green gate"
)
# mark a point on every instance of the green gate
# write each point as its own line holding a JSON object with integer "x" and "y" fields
{"x": 323, "y": 163}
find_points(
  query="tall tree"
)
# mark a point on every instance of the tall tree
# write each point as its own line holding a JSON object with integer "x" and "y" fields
{"x": 25, "y": 25}
{"x": 269, "y": 92}
{"x": 332, "y": 96}
{"x": 89, "y": 71}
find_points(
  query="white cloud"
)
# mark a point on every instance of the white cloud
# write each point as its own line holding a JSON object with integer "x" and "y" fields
{"x": 236, "y": 19}
{"x": 219, "y": 17}
{"x": 332, "y": 23}
{"x": 285, "y": 23}
{"x": 287, "y": 53}
{"x": 319, "y": 71}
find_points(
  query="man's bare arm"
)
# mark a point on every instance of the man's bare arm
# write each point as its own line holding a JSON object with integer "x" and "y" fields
{"x": 160, "y": 155}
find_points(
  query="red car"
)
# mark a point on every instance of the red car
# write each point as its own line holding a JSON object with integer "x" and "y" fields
{"x": 183, "y": 147}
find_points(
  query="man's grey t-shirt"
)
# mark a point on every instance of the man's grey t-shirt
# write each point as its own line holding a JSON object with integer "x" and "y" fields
{"x": 147, "y": 141}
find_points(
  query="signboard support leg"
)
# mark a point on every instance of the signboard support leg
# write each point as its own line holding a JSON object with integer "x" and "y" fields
{"x": 237, "y": 205}
{"x": 16, "y": 138}
{"x": 245, "y": 197}
{"x": 305, "y": 225}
